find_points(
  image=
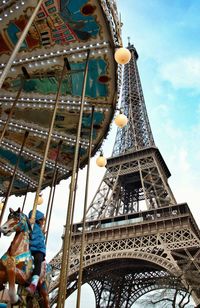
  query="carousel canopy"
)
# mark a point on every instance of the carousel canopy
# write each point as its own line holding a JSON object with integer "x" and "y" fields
{"x": 62, "y": 32}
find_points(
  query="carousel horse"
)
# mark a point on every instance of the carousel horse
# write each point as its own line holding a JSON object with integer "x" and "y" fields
{"x": 16, "y": 264}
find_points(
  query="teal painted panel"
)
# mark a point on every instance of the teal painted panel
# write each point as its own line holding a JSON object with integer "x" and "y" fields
{"x": 98, "y": 119}
{"x": 73, "y": 83}
{"x": 84, "y": 26}
{"x": 24, "y": 165}
{"x": 94, "y": 88}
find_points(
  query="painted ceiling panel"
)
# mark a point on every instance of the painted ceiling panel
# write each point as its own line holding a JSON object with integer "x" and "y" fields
{"x": 62, "y": 32}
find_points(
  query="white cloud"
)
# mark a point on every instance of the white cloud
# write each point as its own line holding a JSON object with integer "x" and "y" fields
{"x": 162, "y": 108}
{"x": 183, "y": 163}
{"x": 183, "y": 72}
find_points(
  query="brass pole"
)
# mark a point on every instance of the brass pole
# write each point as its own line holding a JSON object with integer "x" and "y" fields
{"x": 66, "y": 248}
{"x": 25, "y": 197}
{"x": 47, "y": 232}
{"x": 48, "y": 142}
{"x": 84, "y": 214}
{"x": 73, "y": 207}
{"x": 19, "y": 43}
{"x": 51, "y": 207}
{"x": 52, "y": 184}
{"x": 26, "y": 76}
{"x": 11, "y": 112}
{"x": 13, "y": 176}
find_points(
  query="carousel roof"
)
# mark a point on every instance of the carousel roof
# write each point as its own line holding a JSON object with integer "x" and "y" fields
{"x": 62, "y": 30}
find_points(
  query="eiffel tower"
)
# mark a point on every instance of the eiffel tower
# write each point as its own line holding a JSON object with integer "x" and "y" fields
{"x": 138, "y": 238}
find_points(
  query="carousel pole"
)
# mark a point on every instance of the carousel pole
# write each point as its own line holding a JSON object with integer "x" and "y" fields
{"x": 53, "y": 183}
{"x": 51, "y": 207}
{"x": 75, "y": 191}
{"x": 73, "y": 205}
{"x": 74, "y": 201}
{"x": 26, "y": 76}
{"x": 54, "y": 189}
{"x": 84, "y": 214}
{"x": 66, "y": 241}
{"x": 65, "y": 65}
{"x": 19, "y": 43}
{"x": 13, "y": 176}
{"x": 25, "y": 197}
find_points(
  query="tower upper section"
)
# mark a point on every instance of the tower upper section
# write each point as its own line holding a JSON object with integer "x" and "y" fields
{"x": 137, "y": 133}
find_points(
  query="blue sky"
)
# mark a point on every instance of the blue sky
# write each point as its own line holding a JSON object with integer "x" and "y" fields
{"x": 166, "y": 34}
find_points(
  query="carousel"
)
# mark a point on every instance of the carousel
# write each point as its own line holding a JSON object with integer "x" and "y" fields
{"x": 60, "y": 78}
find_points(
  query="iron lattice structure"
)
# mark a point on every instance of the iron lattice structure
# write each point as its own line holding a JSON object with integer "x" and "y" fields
{"x": 136, "y": 171}
{"x": 137, "y": 237}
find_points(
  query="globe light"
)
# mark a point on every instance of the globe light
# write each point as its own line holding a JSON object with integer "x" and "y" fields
{"x": 101, "y": 161}
{"x": 121, "y": 120}
{"x": 39, "y": 200}
{"x": 122, "y": 55}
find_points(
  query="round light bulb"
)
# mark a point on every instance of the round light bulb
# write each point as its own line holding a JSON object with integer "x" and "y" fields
{"x": 101, "y": 161}
{"x": 39, "y": 200}
{"x": 122, "y": 55}
{"x": 121, "y": 120}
